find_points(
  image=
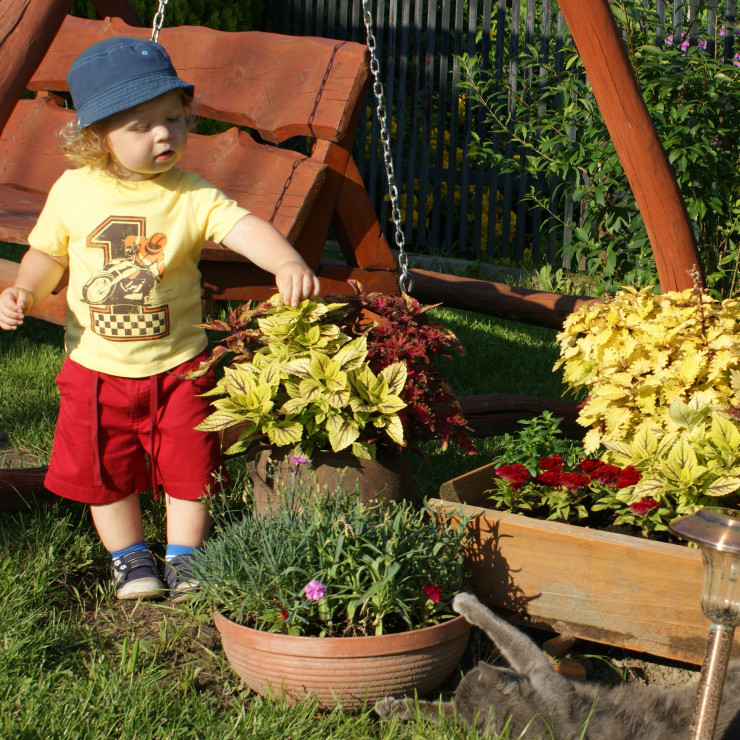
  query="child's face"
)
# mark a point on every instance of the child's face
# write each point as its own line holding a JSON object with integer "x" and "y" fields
{"x": 148, "y": 139}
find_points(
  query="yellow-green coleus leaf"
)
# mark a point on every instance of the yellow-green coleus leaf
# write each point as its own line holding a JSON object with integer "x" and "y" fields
{"x": 285, "y": 433}
{"x": 342, "y": 432}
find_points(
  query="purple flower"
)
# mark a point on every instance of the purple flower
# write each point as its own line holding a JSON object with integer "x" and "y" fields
{"x": 315, "y": 591}
{"x": 298, "y": 459}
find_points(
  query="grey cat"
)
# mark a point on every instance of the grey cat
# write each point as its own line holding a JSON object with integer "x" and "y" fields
{"x": 533, "y": 701}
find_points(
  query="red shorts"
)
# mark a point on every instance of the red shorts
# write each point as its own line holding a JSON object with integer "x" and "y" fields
{"x": 110, "y": 427}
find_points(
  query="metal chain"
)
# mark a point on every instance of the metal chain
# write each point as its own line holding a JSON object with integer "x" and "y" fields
{"x": 158, "y": 20}
{"x": 405, "y": 280}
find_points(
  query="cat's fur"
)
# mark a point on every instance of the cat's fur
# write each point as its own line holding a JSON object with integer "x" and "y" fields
{"x": 537, "y": 702}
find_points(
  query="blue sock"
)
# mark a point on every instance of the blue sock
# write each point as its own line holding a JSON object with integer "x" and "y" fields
{"x": 138, "y": 546}
{"x": 177, "y": 551}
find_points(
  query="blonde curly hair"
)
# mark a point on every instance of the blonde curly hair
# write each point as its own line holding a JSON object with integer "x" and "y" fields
{"x": 86, "y": 147}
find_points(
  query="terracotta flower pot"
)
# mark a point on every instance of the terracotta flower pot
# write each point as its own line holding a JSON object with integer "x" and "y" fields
{"x": 344, "y": 670}
{"x": 388, "y": 478}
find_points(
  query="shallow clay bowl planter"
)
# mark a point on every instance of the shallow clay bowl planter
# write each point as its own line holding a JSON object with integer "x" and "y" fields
{"x": 344, "y": 670}
{"x": 630, "y": 592}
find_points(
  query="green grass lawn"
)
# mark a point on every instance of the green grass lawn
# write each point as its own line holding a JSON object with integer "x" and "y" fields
{"x": 75, "y": 663}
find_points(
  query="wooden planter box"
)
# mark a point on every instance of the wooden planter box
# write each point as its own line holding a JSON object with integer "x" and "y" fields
{"x": 614, "y": 589}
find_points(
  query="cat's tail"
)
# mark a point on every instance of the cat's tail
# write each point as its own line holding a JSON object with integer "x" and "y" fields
{"x": 519, "y": 651}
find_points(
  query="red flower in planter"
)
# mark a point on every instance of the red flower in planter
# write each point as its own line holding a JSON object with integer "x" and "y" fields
{"x": 553, "y": 463}
{"x": 283, "y": 614}
{"x": 516, "y": 475}
{"x": 644, "y": 505}
{"x": 630, "y": 475}
{"x": 432, "y": 592}
{"x": 574, "y": 481}
{"x": 549, "y": 478}
{"x": 588, "y": 466}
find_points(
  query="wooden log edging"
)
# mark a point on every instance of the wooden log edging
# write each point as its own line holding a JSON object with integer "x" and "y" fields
{"x": 23, "y": 488}
{"x": 535, "y": 307}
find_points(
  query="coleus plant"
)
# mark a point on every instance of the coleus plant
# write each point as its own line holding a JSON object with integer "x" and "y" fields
{"x": 354, "y": 375}
{"x": 637, "y": 352}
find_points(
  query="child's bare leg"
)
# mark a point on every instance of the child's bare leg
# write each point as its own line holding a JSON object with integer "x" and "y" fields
{"x": 118, "y": 523}
{"x": 122, "y": 534}
{"x": 188, "y": 523}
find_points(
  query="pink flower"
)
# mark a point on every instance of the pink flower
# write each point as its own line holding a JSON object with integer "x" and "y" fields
{"x": 298, "y": 459}
{"x": 644, "y": 505}
{"x": 315, "y": 591}
{"x": 432, "y": 592}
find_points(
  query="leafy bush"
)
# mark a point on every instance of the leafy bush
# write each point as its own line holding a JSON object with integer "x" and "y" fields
{"x": 559, "y": 138}
{"x": 637, "y": 352}
{"x": 225, "y": 15}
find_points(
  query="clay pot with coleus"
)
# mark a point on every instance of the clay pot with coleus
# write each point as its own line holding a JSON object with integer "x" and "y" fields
{"x": 343, "y": 374}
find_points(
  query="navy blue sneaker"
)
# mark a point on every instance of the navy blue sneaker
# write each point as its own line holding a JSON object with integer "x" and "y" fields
{"x": 179, "y": 577}
{"x": 136, "y": 576}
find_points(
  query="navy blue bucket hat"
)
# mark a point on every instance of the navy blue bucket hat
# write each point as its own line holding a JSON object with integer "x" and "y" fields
{"x": 119, "y": 73}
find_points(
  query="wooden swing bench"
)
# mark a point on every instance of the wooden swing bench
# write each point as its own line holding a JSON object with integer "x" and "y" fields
{"x": 278, "y": 87}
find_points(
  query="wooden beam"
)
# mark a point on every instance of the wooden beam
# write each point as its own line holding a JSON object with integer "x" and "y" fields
{"x": 534, "y": 307}
{"x": 27, "y": 28}
{"x": 645, "y": 163}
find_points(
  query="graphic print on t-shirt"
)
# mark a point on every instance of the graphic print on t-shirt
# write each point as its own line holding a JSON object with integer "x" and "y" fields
{"x": 123, "y": 303}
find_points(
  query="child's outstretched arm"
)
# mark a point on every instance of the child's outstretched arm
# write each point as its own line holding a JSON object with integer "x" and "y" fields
{"x": 262, "y": 244}
{"x": 38, "y": 274}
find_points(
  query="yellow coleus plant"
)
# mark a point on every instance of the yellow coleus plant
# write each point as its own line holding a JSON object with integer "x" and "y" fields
{"x": 637, "y": 352}
{"x": 691, "y": 465}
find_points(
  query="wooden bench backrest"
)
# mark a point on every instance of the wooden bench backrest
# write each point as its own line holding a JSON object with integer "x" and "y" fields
{"x": 280, "y": 86}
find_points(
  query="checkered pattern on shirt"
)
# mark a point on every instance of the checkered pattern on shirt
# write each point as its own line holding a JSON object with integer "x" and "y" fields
{"x": 122, "y": 327}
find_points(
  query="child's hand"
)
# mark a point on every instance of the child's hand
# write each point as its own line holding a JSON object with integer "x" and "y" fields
{"x": 296, "y": 281}
{"x": 15, "y": 303}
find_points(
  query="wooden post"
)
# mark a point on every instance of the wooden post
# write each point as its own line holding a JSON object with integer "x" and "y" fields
{"x": 642, "y": 155}
{"x": 27, "y": 28}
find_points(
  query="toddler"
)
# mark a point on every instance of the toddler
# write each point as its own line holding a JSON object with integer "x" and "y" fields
{"x": 130, "y": 227}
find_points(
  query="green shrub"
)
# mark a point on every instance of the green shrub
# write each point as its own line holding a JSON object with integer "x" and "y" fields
{"x": 559, "y": 137}
{"x": 225, "y": 15}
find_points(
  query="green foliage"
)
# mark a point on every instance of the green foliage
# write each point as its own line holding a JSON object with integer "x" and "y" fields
{"x": 691, "y": 466}
{"x": 355, "y": 374}
{"x": 377, "y": 569}
{"x": 308, "y": 385}
{"x": 539, "y": 436}
{"x": 558, "y": 137}
{"x": 225, "y": 15}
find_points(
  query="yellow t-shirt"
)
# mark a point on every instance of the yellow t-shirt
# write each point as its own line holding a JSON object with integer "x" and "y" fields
{"x": 134, "y": 286}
